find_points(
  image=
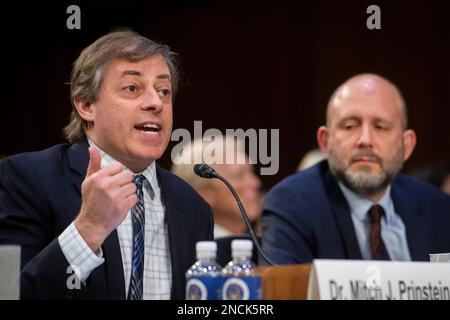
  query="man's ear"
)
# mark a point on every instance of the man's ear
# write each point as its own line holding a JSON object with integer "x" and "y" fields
{"x": 409, "y": 141}
{"x": 85, "y": 110}
{"x": 322, "y": 139}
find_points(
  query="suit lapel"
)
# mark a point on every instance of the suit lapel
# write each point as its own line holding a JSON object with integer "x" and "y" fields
{"x": 177, "y": 223}
{"x": 413, "y": 221}
{"x": 78, "y": 159}
{"x": 114, "y": 267}
{"x": 343, "y": 218}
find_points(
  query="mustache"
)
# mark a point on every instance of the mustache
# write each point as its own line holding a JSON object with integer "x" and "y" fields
{"x": 366, "y": 154}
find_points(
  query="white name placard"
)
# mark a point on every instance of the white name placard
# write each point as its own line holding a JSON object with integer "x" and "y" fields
{"x": 9, "y": 272}
{"x": 378, "y": 280}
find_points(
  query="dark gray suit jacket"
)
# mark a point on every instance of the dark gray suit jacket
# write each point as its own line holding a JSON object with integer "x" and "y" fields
{"x": 40, "y": 196}
{"x": 306, "y": 216}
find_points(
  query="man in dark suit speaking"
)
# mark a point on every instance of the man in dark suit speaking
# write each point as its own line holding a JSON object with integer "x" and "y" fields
{"x": 355, "y": 204}
{"x": 100, "y": 208}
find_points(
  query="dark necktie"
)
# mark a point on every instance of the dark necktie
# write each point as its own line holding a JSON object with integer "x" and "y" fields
{"x": 377, "y": 247}
{"x": 136, "y": 291}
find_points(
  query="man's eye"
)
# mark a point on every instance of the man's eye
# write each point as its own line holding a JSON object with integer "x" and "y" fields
{"x": 165, "y": 92}
{"x": 131, "y": 88}
{"x": 381, "y": 128}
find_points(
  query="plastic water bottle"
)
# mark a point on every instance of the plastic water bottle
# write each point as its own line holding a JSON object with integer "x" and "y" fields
{"x": 241, "y": 282}
{"x": 204, "y": 279}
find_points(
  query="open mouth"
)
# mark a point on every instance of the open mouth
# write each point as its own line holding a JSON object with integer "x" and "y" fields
{"x": 149, "y": 128}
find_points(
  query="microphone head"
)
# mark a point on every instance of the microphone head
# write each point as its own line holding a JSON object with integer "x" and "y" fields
{"x": 204, "y": 171}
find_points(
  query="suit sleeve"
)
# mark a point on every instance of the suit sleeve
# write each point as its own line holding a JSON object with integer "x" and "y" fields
{"x": 286, "y": 231}
{"x": 26, "y": 220}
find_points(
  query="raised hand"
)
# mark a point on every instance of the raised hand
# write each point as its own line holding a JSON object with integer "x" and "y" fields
{"x": 107, "y": 196}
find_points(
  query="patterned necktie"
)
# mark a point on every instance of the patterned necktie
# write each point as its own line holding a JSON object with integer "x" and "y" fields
{"x": 377, "y": 246}
{"x": 136, "y": 291}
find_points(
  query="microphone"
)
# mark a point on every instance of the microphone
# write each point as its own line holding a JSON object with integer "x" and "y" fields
{"x": 205, "y": 171}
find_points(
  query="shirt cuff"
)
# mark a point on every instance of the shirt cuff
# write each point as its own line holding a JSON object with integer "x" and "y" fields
{"x": 79, "y": 255}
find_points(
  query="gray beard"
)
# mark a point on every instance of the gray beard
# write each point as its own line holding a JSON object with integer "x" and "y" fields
{"x": 362, "y": 182}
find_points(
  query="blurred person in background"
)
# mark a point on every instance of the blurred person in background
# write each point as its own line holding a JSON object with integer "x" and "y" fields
{"x": 310, "y": 158}
{"x": 437, "y": 175}
{"x": 227, "y": 217}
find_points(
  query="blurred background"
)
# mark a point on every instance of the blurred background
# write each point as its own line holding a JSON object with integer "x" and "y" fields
{"x": 246, "y": 64}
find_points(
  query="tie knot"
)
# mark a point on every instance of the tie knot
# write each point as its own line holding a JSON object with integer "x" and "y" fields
{"x": 139, "y": 180}
{"x": 375, "y": 213}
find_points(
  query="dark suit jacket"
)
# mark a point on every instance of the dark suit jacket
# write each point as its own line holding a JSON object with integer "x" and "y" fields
{"x": 40, "y": 196}
{"x": 306, "y": 217}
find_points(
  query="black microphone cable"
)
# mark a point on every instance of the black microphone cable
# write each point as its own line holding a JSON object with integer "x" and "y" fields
{"x": 205, "y": 171}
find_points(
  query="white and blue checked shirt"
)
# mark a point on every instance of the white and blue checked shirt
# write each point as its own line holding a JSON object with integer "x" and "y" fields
{"x": 157, "y": 262}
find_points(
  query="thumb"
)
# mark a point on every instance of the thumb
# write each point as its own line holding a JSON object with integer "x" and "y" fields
{"x": 94, "y": 161}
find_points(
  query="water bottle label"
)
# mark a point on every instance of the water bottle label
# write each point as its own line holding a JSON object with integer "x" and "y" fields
{"x": 242, "y": 288}
{"x": 204, "y": 288}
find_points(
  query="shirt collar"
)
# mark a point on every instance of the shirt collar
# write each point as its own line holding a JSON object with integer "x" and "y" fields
{"x": 221, "y": 232}
{"x": 149, "y": 173}
{"x": 360, "y": 205}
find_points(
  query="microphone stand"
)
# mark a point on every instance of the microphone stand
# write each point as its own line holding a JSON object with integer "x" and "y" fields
{"x": 244, "y": 215}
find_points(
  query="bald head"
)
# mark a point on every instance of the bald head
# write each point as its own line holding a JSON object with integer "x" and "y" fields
{"x": 365, "y": 139}
{"x": 364, "y": 87}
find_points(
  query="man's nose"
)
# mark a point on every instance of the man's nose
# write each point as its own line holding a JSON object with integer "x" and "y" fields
{"x": 152, "y": 101}
{"x": 365, "y": 138}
